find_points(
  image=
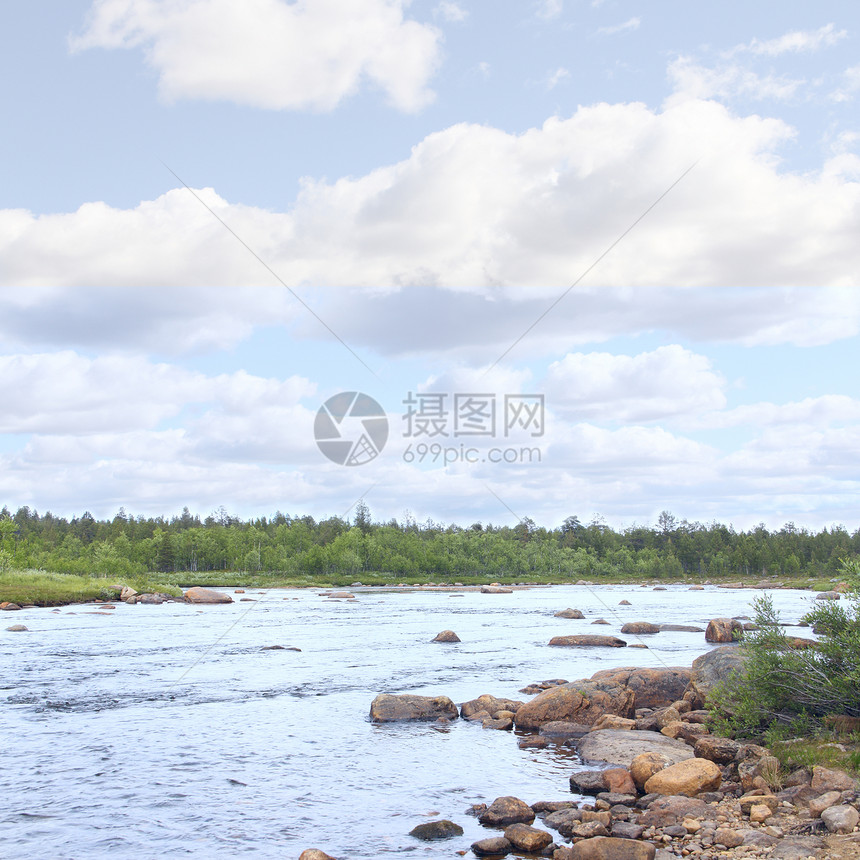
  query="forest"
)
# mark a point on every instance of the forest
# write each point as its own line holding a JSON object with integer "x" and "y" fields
{"x": 302, "y": 546}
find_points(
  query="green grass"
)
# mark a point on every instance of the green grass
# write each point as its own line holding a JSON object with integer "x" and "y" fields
{"x": 57, "y": 589}
{"x": 827, "y": 750}
{"x": 53, "y": 589}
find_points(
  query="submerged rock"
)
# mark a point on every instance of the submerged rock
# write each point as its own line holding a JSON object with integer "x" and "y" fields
{"x": 587, "y": 640}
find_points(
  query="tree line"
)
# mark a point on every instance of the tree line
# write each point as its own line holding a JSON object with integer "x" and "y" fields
{"x": 301, "y": 545}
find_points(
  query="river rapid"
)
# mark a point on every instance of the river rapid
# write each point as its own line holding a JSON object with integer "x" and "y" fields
{"x": 168, "y": 731}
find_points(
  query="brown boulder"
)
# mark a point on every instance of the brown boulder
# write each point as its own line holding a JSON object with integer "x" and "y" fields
{"x": 666, "y": 811}
{"x": 507, "y": 810}
{"x": 619, "y": 781}
{"x": 494, "y": 847}
{"x": 18, "y": 628}
{"x": 490, "y": 704}
{"x": 611, "y": 721}
{"x": 639, "y": 627}
{"x": 719, "y": 750}
{"x": 830, "y": 779}
{"x": 446, "y": 636}
{"x": 569, "y": 613}
{"x": 689, "y": 778}
{"x": 621, "y": 748}
{"x": 388, "y": 708}
{"x": 717, "y": 665}
{"x": 645, "y": 765}
{"x": 584, "y": 703}
{"x": 526, "y": 838}
{"x": 433, "y": 830}
{"x": 206, "y": 595}
{"x": 651, "y": 688}
{"x": 314, "y": 854}
{"x": 588, "y": 640}
{"x": 724, "y": 630}
{"x": 607, "y": 848}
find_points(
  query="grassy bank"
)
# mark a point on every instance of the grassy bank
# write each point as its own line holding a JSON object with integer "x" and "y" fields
{"x": 41, "y": 588}
{"x": 54, "y": 589}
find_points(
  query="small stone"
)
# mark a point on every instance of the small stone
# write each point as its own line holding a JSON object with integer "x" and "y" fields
{"x": 17, "y": 628}
{"x": 727, "y": 837}
{"x": 760, "y": 813}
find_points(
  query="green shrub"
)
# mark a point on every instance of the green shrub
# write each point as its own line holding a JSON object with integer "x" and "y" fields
{"x": 783, "y": 685}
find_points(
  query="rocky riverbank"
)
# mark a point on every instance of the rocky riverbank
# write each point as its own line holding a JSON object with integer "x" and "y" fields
{"x": 659, "y": 784}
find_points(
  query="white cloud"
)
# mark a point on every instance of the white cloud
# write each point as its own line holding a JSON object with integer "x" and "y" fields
{"x": 628, "y": 25}
{"x": 667, "y": 382}
{"x": 270, "y": 53}
{"x": 451, "y": 11}
{"x": 475, "y": 225}
{"x": 850, "y": 85}
{"x": 796, "y": 41}
{"x": 549, "y": 9}
{"x": 65, "y": 393}
{"x": 557, "y": 77}
{"x": 691, "y": 80}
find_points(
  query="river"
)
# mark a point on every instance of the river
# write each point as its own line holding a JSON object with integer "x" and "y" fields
{"x": 150, "y": 731}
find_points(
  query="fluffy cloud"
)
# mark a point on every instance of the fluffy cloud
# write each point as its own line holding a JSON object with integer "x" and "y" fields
{"x": 476, "y": 208}
{"x": 270, "y": 53}
{"x": 667, "y": 382}
{"x": 61, "y": 394}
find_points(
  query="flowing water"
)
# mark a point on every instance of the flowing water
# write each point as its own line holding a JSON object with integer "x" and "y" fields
{"x": 148, "y": 731}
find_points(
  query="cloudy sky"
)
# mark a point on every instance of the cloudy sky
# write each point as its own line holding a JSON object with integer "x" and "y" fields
{"x": 613, "y": 245}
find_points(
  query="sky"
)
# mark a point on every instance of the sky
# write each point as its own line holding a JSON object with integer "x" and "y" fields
{"x": 468, "y": 260}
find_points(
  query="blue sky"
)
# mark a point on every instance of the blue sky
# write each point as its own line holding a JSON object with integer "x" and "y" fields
{"x": 383, "y": 197}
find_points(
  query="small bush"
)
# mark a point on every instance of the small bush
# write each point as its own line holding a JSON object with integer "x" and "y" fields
{"x": 796, "y": 688}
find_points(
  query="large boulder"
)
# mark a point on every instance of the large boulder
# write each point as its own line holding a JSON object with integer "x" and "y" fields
{"x": 713, "y": 668}
{"x": 651, "y": 688}
{"x": 569, "y": 613}
{"x": 526, "y": 838}
{"x": 719, "y": 750}
{"x": 588, "y": 640}
{"x": 689, "y": 778}
{"x": 446, "y": 636}
{"x": 583, "y": 702}
{"x": 724, "y": 630}
{"x": 607, "y": 848}
{"x": 390, "y": 708}
{"x": 621, "y": 747}
{"x": 645, "y": 765}
{"x": 205, "y": 595}
{"x": 638, "y": 627}
{"x": 507, "y": 810}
